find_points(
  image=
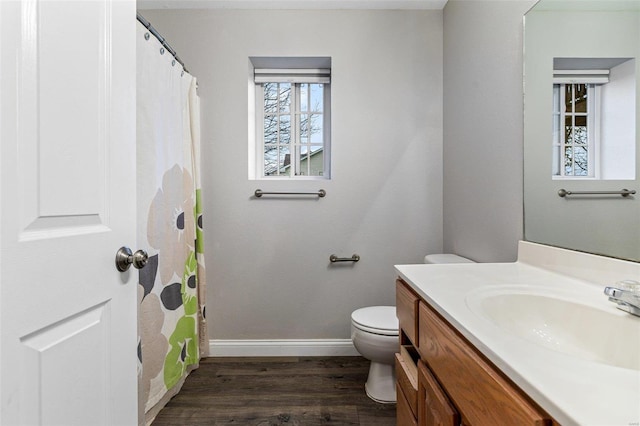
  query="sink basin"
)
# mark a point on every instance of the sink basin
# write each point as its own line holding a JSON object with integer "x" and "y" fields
{"x": 556, "y": 321}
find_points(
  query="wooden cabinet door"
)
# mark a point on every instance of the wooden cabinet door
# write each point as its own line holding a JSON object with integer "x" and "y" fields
{"x": 434, "y": 407}
{"x": 404, "y": 416}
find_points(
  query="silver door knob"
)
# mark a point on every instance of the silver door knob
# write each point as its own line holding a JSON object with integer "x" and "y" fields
{"x": 125, "y": 258}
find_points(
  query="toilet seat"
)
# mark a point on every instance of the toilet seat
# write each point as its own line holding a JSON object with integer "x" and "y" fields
{"x": 380, "y": 320}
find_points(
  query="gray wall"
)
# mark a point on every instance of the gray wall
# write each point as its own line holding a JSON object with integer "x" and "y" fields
{"x": 388, "y": 108}
{"x": 267, "y": 260}
{"x": 483, "y": 128}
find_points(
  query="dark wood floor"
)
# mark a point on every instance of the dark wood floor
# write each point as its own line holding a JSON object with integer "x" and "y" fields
{"x": 277, "y": 391}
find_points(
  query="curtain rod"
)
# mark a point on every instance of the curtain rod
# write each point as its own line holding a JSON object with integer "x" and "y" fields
{"x": 161, "y": 39}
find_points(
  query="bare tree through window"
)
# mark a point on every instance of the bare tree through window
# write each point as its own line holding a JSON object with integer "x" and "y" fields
{"x": 292, "y": 127}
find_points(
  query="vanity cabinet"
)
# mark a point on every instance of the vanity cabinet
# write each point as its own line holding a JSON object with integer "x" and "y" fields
{"x": 442, "y": 379}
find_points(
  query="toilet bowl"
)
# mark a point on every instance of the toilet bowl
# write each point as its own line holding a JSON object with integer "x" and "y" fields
{"x": 374, "y": 332}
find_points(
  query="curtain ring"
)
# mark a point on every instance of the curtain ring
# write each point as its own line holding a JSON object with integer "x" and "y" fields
{"x": 173, "y": 63}
{"x": 162, "y": 50}
{"x": 146, "y": 36}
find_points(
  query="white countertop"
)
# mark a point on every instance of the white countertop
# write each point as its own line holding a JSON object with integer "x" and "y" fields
{"x": 572, "y": 389}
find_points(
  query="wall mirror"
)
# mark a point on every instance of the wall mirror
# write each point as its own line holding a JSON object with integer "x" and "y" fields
{"x": 581, "y": 154}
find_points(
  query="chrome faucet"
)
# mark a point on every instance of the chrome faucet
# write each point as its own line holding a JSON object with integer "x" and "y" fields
{"x": 627, "y": 298}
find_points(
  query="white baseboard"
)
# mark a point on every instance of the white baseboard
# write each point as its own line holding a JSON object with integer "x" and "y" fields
{"x": 284, "y": 347}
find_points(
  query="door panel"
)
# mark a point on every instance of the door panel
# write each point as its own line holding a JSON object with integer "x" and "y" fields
{"x": 67, "y": 191}
{"x": 64, "y": 105}
{"x": 71, "y": 356}
{"x": 72, "y": 104}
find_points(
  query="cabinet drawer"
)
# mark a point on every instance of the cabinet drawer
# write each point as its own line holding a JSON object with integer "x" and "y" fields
{"x": 482, "y": 394}
{"x": 404, "y": 416}
{"x": 435, "y": 407}
{"x": 407, "y": 376}
{"x": 407, "y": 310}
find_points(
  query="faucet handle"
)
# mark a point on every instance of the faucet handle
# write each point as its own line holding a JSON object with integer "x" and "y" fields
{"x": 612, "y": 291}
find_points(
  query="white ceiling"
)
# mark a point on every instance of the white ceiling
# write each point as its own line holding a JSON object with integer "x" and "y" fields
{"x": 291, "y": 4}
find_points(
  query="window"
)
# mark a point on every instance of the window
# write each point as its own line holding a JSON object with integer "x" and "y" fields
{"x": 292, "y": 118}
{"x": 594, "y": 116}
{"x": 576, "y": 118}
{"x": 575, "y": 132}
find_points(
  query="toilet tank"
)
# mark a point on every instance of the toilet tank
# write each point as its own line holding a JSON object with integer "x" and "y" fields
{"x": 446, "y": 258}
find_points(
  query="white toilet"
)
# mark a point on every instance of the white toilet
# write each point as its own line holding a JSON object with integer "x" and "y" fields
{"x": 374, "y": 332}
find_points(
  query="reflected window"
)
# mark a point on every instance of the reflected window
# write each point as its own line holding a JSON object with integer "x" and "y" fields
{"x": 594, "y": 113}
{"x": 575, "y": 137}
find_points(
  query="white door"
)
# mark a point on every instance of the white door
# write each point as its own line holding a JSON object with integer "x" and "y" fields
{"x": 67, "y": 203}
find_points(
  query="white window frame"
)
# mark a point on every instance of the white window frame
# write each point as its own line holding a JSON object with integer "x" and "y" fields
{"x": 593, "y": 115}
{"x": 296, "y": 77}
{"x": 593, "y": 79}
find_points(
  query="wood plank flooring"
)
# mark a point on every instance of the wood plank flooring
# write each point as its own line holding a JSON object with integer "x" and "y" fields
{"x": 277, "y": 391}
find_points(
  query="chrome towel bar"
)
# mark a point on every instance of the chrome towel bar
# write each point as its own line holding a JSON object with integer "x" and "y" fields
{"x": 623, "y": 192}
{"x": 259, "y": 193}
{"x": 333, "y": 258}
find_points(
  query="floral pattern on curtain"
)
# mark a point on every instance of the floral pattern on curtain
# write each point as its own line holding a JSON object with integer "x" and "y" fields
{"x": 172, "y": 330}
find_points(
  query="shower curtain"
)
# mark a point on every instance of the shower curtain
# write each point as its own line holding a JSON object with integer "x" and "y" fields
{"x": 171, "y": 323}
